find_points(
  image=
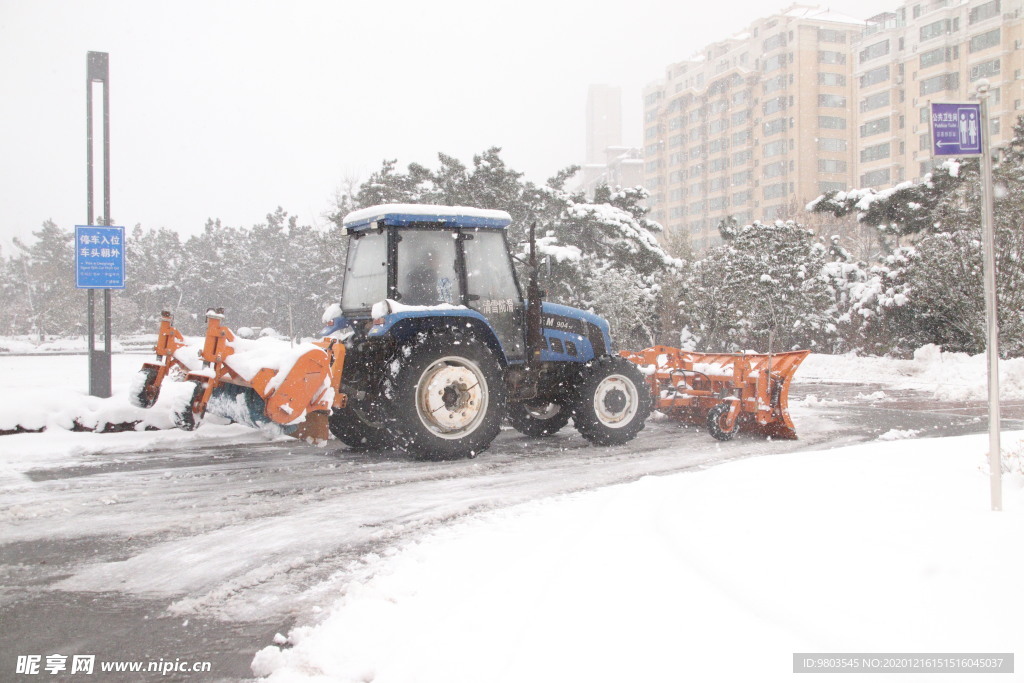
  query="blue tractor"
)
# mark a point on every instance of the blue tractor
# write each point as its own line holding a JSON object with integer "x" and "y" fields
{"x": 442, "y": 343}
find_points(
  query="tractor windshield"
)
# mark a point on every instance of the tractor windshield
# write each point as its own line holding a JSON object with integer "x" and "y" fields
{"x": 366, "y": 274}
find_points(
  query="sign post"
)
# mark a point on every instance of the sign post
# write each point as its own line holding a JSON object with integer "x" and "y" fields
{"x": 97, "y": 70}
{"x": 961, "y": 129}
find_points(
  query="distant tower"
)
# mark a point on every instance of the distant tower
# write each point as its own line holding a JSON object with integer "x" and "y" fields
{"x": 604, "y": 121}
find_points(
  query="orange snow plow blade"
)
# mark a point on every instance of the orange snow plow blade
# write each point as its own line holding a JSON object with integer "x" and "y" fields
{"x": 297, "y": 390}
{"x": 727, "y": 392}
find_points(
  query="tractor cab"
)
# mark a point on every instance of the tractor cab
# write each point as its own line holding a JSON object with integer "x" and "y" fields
{"x": 429, "y": 261}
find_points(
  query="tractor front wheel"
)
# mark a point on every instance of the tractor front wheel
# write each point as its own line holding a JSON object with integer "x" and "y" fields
{"x": 446, "y": 395}
{"x": 538, "y": 418}
{"x": 353, "y": 427}
{"x": 613, "y": 401}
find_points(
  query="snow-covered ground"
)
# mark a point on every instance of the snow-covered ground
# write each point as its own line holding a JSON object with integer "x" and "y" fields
{"x": 710, "y": 575}
{"x": 719, "y": 575}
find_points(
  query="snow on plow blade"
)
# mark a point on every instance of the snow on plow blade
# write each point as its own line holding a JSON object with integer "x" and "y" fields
{"x": 726, "y": 392}
{"x": 254, "y": 383}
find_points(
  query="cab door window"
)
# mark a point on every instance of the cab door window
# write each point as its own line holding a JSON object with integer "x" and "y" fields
{"x": 426, "y": 272}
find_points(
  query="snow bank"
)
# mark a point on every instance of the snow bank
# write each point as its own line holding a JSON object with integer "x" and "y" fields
{"x": 719, "y": 575}
{"x": 950, "y": 376}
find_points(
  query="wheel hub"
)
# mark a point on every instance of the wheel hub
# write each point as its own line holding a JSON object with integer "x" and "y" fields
{"x": 616, "y": 401}
{"x": 452, "y": 397}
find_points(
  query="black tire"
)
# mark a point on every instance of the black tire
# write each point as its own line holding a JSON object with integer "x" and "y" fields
{"x": 141, "y": 394}
{"x": 184, "y": 418}
{"x": 446, "y": 396}
{"x": 353, "y": 427}
{"x": 612, "y": 401}
{"x": 716, "y": 426}
{"x": 538, "y": 418}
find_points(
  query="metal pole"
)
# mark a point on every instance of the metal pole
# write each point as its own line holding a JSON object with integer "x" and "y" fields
{"x": 97, "y": 71}
{"x": 991, "y": 310}
{"x": 89, "y": 190}
{"x": 105, "y": 387}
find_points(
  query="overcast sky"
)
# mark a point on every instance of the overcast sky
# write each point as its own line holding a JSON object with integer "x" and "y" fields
{"x": 229, "y": 109}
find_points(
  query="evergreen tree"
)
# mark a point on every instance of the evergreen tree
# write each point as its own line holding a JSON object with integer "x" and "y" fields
{"x": 760, "y": 290}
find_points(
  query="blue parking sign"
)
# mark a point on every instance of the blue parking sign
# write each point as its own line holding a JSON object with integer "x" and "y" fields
{"x": 956, "y": 129}
{"x": 99, "y": 257}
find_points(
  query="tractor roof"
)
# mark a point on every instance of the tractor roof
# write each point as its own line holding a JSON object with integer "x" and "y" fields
{"x": 444, "y": 216}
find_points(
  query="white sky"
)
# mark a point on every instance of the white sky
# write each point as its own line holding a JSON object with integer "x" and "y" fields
{"x": 228, "y": 109}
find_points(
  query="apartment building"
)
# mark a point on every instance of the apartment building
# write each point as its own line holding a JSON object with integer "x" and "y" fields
{"x": 753, "y": 125}
{"x": 807, "y": 101}
{"x": 925, "y": 51}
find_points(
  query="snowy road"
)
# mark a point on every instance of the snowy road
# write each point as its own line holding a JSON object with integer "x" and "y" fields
{"x": 205, "y": 553}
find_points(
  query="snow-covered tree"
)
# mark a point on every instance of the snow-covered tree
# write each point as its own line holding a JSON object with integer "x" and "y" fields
{"x": 762, "y": 289}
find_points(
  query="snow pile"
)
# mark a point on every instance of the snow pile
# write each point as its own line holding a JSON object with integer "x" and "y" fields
{"x": 949, "y": 376}
{"x": 718, "y": 575}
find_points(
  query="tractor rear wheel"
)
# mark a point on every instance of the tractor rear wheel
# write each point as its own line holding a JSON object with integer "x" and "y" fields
{"x": 538, "y": 418}
{"x": 613, "y": 401}
{"x": 447, "y": 396}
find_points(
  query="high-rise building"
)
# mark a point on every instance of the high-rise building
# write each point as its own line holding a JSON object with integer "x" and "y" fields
{"x": 604, "y": 121}
{"x": 925, "y": 51}
{"x": 752, "y": 125}
{"x": 807, "y": 101}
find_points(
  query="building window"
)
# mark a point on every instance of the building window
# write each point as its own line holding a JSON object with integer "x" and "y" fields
{"x": 832, "y": 144}
{"x": 983, "y": 12}
{"x": 939, "y": 55}
{"x": 774, "y": 170}
{"x": 774, "y": 105}
{"x": 740, "y": 97}
{"x": 741, "y": 197}
{"x": 879, "y": 177}
{"x": 935, "y": 29}
{"x": 875, "y": 152}
{"x": 837, "y": 101}
{"x": 833, "y": 122}
{"x": 719, "y": 164}
{"x": 739, "y": 117}
{"x": 773, "y": 84}
{"x": 874, "y": 51}
{"x": 774, "y": 126}
{"x": 774, "y": 148}
{"x": 983, "y": 41}
{"x": 739, "y": 158}
{"x": 742, "y": 178}
{"x": 831, "y": 166}
{"x": 877, "y": 75}
{"x": 985, "y": 69}
{"x": 776, "y": 41}
{"x": 827, "y": 186}
{"x": 924, "y": 141}
{"x": 826, "y": 35}
{"x": 828, "y": 78}
{"x": 831, "y": 57}
{"x": 773, "y": 63}
{"x": 775, "y": 191}
{"x": 741, "y": 138}
{"x": 876, "y": 101}
{"x": 874, "y": 127}
{"x": 675, "y": 140}
{"x": 719, "y": 145}
{"x": 717, "y": 184}
{"x": 940, "y": 83}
